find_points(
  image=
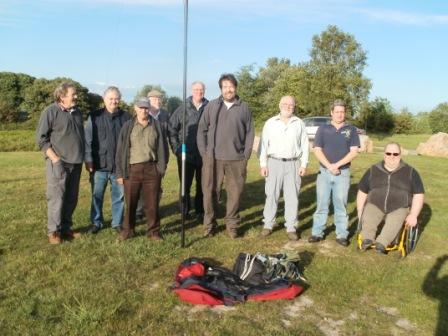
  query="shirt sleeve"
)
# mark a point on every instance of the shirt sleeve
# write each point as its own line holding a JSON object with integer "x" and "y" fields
{"x": 43, "y": 131}
{"x": 264, "y": 142}
{"x": 318, "y": 138}
{"x": 417, "y": 183}
{"x": 364, "y": 183}
{"x": 304, "y": 146}
{"x": 354, "y": 139}
{"x": 88, "y": 140}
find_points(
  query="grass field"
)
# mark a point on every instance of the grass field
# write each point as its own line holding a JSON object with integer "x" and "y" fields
{"x": 96, "y": 286}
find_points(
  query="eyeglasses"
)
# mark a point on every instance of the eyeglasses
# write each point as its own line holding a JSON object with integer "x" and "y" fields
{"x": 394, "y": 154}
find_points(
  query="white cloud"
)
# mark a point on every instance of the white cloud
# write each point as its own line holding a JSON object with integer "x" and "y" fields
{"x": 404, "y": 18}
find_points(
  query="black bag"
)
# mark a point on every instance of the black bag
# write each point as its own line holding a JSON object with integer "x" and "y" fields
{"x": 250, "y": 269}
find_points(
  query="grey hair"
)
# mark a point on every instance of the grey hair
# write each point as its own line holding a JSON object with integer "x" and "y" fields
{"x": 198, "y": 82}
{"x": 112, "y": 89}
{"x": 62, "y": 89}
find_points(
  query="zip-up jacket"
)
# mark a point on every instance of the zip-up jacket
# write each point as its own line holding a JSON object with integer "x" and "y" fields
{"x": 390, "y": 191}
{"x": 101, "y": 131}
{"x": 192, "y": 117}
{"x": 124, "y": 144}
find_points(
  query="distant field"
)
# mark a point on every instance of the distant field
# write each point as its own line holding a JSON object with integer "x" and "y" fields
{"x": 408, "y": 141}
{"x": 11, "y": 141}
{"x": 96, "y": 286}
{"x": 14, "y": 141}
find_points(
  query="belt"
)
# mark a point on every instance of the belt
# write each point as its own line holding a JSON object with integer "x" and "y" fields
{"x": 283, "y": 159}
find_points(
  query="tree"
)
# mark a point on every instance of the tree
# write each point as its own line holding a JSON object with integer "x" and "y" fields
{"x": 335, "y": 71}
{"x": 12, "y": 87}
{"x": 255, "y": 87}
{"x": 403, "y": 122}
{"x": 143, "y": 92}
{"x": 377, "y": 116}
{"x": 438, "y": 118}
{"x": 172, "y": 104}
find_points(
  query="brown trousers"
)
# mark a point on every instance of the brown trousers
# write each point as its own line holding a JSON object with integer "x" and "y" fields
{"x": 145, "y": 177}
{"x": 372, "y": 216}
{"x": 214, "y": 173}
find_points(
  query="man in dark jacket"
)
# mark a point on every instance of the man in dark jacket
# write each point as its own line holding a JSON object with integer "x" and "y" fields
{"x": 193, "y": 163}
{"x": 162, "y": 116}
{"x": 60, "y": 135}
{"x": 225, "y": 139}
{"x": 101, "y": 131}
{"x": 141, "y": 162}
{"x": 392, "y": 191}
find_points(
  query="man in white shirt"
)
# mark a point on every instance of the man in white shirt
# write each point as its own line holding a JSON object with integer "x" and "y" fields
{"x": 283, "y": 160}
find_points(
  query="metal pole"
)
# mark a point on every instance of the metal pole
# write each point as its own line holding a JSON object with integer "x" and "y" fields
{"x": 184, "y": 146}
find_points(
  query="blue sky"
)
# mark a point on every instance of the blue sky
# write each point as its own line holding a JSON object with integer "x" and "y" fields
{"x": 130, "y": 43}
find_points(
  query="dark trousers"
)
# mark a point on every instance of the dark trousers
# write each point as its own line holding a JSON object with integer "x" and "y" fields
{"x": 62, "y": 194}
{"x": 192, "y": 170}
{"x": 214, "y": 172}
{"x": 145, "y": 177}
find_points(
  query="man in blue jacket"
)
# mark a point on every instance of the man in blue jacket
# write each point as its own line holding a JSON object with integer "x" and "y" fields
{"x": 101, "y": 131}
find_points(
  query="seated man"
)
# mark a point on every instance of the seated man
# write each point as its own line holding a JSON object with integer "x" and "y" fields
{"x": 392, "y": 191}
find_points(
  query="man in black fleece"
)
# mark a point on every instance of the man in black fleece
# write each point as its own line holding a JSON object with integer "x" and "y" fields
{"x": 225, "y": 139}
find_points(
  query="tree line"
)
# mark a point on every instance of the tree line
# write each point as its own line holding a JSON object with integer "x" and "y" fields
{"x": 334, "y": 71}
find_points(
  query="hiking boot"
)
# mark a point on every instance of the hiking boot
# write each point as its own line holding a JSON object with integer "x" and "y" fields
{"x": 54, "y": 238}
{"x": 232, "y": 233}
{"x": 366, "y": 244}
{"x": 155, "y": 236}
{"x": 380, "y": 248}
{"x": 95, "y": 229}
{"x": 342, "y": 241}
{"x": 71, "y": 235}
{"x": 293, "y": 236}
{"x": 266, "y": 232}
{"x": 314, "y": 239}
{"x": 124, "y": 235}
{"x": 209, "y": 233}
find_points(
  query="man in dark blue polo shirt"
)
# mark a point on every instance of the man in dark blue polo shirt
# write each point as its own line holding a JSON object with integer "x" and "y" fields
{"x": 335, "y": 146}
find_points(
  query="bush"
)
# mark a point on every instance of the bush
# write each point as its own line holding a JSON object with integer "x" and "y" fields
{"x": 403, "y": 122}
{"x": 15, "y": 141}
{"x": 438, "y": 118}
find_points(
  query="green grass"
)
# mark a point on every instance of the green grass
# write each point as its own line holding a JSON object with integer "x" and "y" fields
{"x": 18, "y": 140}
{"x": 96, "y": 286}
{"x": 408, "y": 141}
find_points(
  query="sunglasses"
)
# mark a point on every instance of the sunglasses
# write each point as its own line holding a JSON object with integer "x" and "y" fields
{"x": 394, "y": 154}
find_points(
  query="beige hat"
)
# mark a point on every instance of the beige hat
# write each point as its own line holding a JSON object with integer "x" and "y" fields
{"x": 155, "y": 93}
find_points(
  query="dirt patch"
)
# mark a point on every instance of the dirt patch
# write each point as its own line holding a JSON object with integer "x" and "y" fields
{"x": 300, "y": 304}
{"x": 388, "y": 310}
{"x": 328, "y": 249}
{"x": 294, "y": 245}
{"x": 405, "y": 324}
{"x": 330, "y": 327}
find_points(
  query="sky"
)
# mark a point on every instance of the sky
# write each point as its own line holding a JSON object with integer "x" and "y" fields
{"x": 130, "y": 43}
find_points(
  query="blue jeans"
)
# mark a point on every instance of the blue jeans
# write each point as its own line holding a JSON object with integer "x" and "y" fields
{"x": 337, "y": 187}
{"x": 98, "y": 180}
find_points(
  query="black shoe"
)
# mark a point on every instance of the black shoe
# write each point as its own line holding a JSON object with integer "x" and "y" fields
{"x": 366, "y": 244}
{"x": 95, "y": 229}
{"x": 380, "y": 248}
{"x": 315, "y": 239}
{"x": 342, "y": 241}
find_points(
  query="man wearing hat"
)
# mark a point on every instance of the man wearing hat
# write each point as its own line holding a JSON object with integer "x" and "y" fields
{"x": 141, "y": 162}
{"x": 155, "y": 99}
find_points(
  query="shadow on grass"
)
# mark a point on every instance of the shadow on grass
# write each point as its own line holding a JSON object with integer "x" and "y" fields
{"x": 436, "y": 286}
